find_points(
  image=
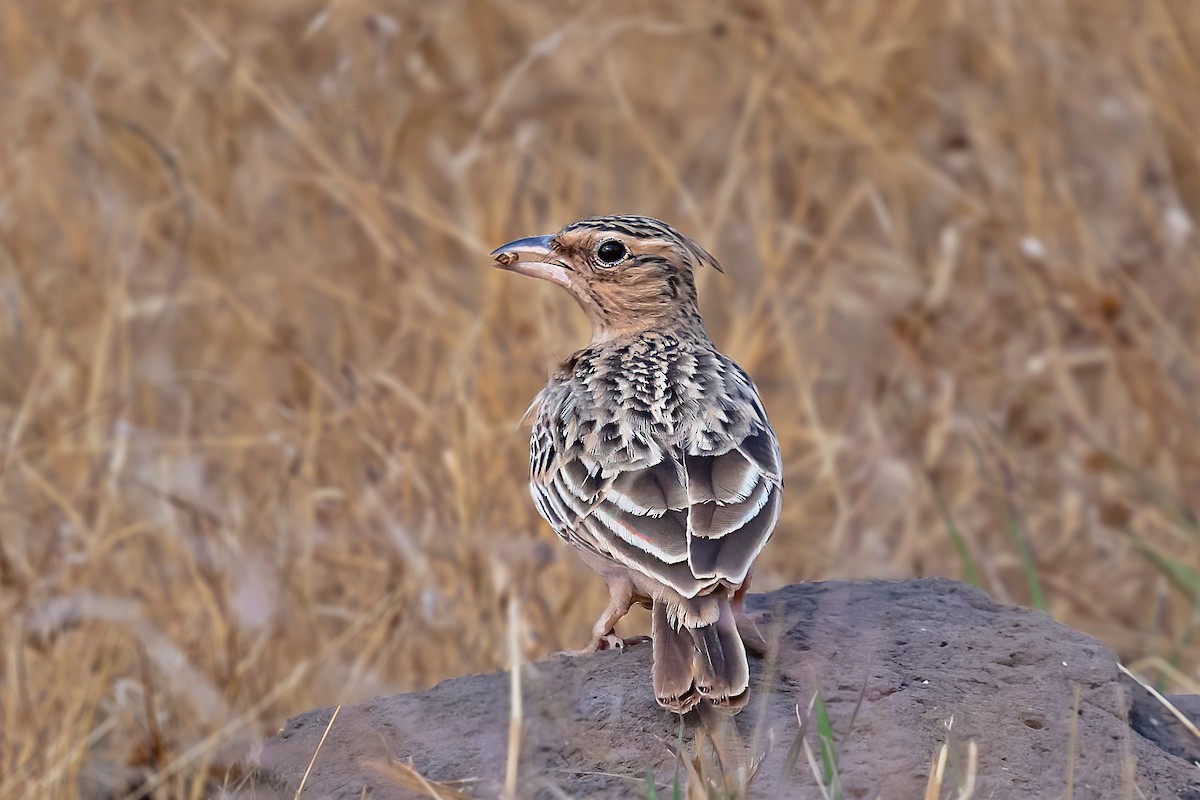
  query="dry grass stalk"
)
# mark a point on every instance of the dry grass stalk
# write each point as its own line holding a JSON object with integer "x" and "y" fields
{"x": 316, "y": 752}
{"x": 407, "y": 777}
{"x": 1163, "y": 701}
{"x": 1072, "y": 744}
{"x": 516, "y": 718}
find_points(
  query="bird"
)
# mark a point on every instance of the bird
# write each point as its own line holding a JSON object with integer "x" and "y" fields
{"x": 651, "y": 453}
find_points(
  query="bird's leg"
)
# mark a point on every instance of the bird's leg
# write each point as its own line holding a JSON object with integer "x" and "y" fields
{"x": 604, "y": 637}
{"x": 750, "y": 623}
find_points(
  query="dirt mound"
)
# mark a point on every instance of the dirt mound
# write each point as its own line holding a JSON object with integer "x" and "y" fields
{"x": 901, "y": 667}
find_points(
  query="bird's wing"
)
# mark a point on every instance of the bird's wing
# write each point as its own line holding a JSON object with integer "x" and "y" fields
{"x": 687, "y": 517}
{"x": 734, "y": 494}
{"x": 585, "y": 492}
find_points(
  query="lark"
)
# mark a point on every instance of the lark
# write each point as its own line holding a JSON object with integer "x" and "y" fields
{"x": 651, "y": 453}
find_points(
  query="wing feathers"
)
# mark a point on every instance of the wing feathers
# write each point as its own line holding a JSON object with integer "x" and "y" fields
{"x": 761, "y": 449}
{"x": 566, "y": 494}
{"x": 714, "y": 520}
{"x": 677, "y": 576}
{"x": 699, "y": 479}
{"x": 733, "y": 476}
{"x": 692, "y": 510}
{"x": 663, "y": 537}
{"x": 582, "y": 483}
{"x": 729, "y": 558}
{"x": 653, "y": 490}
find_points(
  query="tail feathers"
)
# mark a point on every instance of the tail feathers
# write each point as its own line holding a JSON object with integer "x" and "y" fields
{"x": 674, "y": 683}
{"x": 721, "y": 670}
{"x": 707, "y": 661}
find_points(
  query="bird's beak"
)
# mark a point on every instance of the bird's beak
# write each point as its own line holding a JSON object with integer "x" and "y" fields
{"x": 533, "y": 256}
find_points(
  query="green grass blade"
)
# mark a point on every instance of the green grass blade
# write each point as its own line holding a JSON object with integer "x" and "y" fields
{"x": 970, "y": 571}
{"x": 829, "y": 767}
{"x": 1016, "y": 531}
{"x": 1184, "y": 577}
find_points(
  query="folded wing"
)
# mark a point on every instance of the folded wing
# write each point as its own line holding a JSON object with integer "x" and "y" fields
{"x": 691, "y": 520}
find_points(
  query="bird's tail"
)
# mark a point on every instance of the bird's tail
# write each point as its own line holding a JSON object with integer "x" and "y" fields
{"x": 699, "y": 655}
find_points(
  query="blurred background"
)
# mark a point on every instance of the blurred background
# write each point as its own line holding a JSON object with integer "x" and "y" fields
{"x": 260, "y": 390}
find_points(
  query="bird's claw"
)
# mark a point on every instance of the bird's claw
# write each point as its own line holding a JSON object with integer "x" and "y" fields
{"x": 610, "y": 641}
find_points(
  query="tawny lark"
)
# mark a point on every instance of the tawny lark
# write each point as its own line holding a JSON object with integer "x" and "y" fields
{"x": 651, "y": 452}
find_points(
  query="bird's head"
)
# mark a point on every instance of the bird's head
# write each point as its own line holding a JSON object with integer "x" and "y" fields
{"x": 628, "y": 273}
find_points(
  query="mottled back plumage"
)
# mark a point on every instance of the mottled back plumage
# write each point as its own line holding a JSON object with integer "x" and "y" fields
{"x": 651, "y": 451}
{"x": 656, "y": 452}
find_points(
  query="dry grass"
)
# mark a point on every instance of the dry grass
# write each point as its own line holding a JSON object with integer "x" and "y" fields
{"x": 260, "y": 388}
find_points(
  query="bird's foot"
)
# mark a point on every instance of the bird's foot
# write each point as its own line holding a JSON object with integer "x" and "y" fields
{"x": 610, "y": 641}
{"x": 613, "y": 642}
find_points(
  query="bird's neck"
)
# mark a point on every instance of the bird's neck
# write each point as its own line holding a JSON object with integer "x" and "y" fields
{"x": 682, "y": 325}
{"x": 683, "y": 320}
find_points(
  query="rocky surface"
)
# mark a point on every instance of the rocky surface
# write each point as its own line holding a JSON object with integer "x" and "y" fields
{"x": 902, "y": 668}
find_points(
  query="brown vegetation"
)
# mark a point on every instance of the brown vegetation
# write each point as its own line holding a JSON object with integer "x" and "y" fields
{"x": 260, "y": 388}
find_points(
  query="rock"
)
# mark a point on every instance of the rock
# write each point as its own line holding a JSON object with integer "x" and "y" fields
{"x": 1154, "y": 721}
{"x": 901, "y": 667}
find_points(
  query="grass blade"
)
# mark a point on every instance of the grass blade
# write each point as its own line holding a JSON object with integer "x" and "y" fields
{"x": 829, "y": 767}
{"x": 970, "y": 571}
{"x": 1016, "y": 531}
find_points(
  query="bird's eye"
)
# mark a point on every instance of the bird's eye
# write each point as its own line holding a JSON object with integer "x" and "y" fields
{"x": 611, "y": 252}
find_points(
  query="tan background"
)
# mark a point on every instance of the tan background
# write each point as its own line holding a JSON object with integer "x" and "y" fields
{"x": 260, "y": 388}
